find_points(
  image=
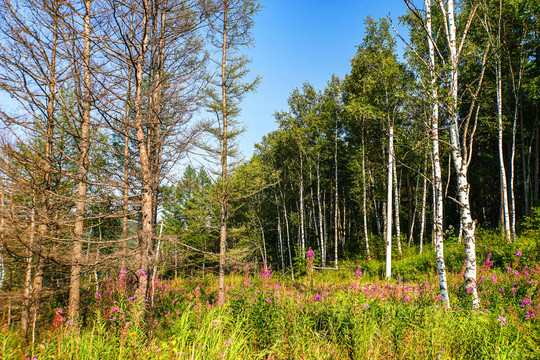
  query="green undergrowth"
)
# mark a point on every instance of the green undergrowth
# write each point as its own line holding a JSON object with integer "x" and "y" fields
{"x": 345, "y": 314}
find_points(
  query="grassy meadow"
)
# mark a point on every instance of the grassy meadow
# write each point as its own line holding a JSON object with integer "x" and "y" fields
{"x": 345, "y": 314}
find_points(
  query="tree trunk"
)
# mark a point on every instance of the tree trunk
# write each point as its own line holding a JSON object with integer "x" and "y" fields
{"x": 396, "y": 203}
{"x": 525, "y": 168}
{"x": 280, "y": 237}
{"x": 336, "y": 207}
{"x": 302, "y": 231}
{"x": 389, "y": 203}
{"x": 146, "y": 231}
{"x": 27, "y": 298}
{"x": 504, "y": 186}
{"x": 423, "y": 215}
{"x": 364, "y": 195}
{"x": 438, "y": 239}
{"x": 459, "y": 157}
{"x": 286, "y": 216}
{"x": 84, "y": 162}
{"x": 321, "y": 229}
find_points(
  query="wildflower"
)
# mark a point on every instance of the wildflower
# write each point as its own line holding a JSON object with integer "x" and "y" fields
{"x": 525, "y": 301}
{"x": 439, "y": 297}
{"x": 358, "y": 272}
{"x": 530, "y": 315}
{"x": 406, "y": 299}
{"x": 310, "y": 254}
{"x": 502, "y": 320}
{"x": 318, "y": 297}
{"x": 42, "y": 346}
{"x": 268, "y": 300}
{"x": 58, "y": 318}
{"x": 142, "y": 272}
{"x": 518, "y": 253}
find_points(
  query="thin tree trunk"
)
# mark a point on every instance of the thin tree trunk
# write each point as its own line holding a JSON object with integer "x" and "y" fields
{"x": 438, "y": 239}
{"x": 302, "y": 231}
{"x": 44, "y": 206}
{"x": 336, "y": 207}
{"x": 84, "y": 162}
{"x": 224, "y": 156}
{"x": 389, "y": 203}
{"x": 280, "y": 236}
{"x": 423, "y": 215}
{"x": 288, "y": 233}
{"x": 525, "y": 168}
{"x": 364, "y": 195}
{"x": 504, "y": 186}
{"x": 321, "y": 229}
{"x": 396, "y": 204}
{"x": 413, "y": 210}
{"x": 27, "y": 298}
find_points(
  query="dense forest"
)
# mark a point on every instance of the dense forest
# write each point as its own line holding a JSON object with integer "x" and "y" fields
{"x": 119, "y": 148}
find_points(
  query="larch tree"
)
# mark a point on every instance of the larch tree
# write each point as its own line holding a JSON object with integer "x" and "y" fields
{"x": 230, "y": 24}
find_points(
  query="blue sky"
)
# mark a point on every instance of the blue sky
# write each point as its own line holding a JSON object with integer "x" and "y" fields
{"x": 298, "y": 41}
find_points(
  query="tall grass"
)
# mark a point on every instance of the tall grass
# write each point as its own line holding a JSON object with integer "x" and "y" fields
{"x": 342, "y": 315}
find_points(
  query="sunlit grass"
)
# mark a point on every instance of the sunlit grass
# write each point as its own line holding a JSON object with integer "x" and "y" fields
{"x": 338, "y": 315}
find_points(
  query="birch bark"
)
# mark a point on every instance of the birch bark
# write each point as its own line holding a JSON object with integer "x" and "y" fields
{"x": 389, "y": 203}
{"x": 437, "y": 181}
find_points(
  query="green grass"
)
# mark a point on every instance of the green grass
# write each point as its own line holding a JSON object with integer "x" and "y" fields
{"x": 339, "y": 316}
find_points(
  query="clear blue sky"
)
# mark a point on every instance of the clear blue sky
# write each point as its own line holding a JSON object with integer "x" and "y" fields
{"x": 298, "y": 41}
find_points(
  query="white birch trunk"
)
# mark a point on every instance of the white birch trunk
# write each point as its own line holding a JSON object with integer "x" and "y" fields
{"x": 438, "y": 239}
{"x": 459, "y": 157}
{"x": 504, "y": 187}
{"x": 396, "y": 202}
{"x": 389, "y": 203}
{"x": 364, "y": 200}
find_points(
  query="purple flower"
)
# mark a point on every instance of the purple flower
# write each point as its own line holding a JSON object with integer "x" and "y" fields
{"x": 310, "y": 254}
{"x": 518, "y": 253}
{"x": 318, "y": 297}
{"x": 502, "y": 320}
{"x": 142, "y": 272}
{"x": 268, "y": 300}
